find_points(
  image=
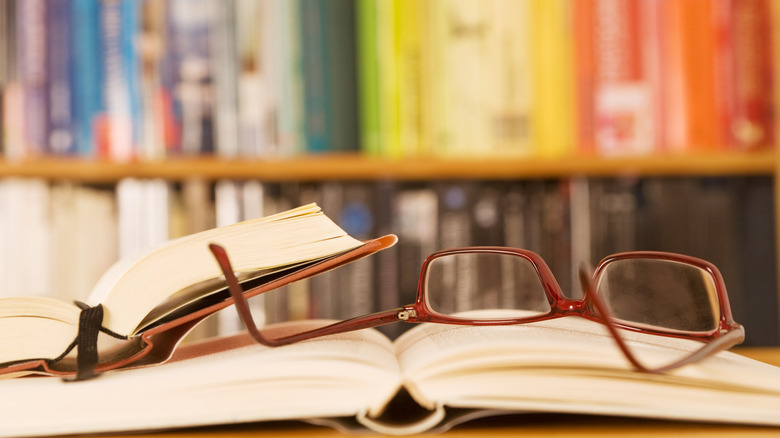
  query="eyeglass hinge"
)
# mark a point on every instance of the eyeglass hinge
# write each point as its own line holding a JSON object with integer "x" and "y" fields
{"x": 405, "y": 314}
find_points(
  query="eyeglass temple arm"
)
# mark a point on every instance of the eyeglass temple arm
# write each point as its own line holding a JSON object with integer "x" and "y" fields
{"x": 724, "y": 342}
{"x": 242, "y": 308}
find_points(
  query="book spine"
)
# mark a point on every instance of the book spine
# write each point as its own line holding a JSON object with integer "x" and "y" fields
{"x": 622, "y": 94}
{"x": 61, "y": 135}
{"x": 270, "y": 57}
{"x": 5, "y": 55}
{"x": 290, "y": 124}
{"x": 368, "y": 76}
{"x": 508, "y": 76}
{"x": 694, "y": 98}
{"x": 188, "y": 75}
{"x": 467, "y": 124}
{"x": 407, "y": 31}
{"x": 225, "y": 93}
{"x": 31, "y": 17}
{"x": 388, "y": 79}
{"x": 552, "y": 126}
{"x": 746, "y": 61}
{"x": 317, "y": 120}
{"x": 85, "y": 76}
{"x": 130, "y": 31}
{"x": 585, "y": 74}
{"x": 115, "y": 127}
{"x": 341, "y": 75}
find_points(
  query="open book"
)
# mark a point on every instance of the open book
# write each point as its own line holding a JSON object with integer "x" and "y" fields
{"x": 433, "y": 375}
{"x": 155, "y": 298}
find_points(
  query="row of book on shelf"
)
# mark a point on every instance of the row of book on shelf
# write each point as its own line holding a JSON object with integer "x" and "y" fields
{"x": 59, "y": 238}
{"x": 148, "y": 79}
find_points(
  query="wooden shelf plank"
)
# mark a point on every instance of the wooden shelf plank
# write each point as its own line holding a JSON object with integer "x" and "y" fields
{"x": 355, "y": 167}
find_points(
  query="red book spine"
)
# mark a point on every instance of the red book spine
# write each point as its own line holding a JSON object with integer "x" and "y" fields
{"x": 748, "y": 78}
{"x": 616, "y": 90}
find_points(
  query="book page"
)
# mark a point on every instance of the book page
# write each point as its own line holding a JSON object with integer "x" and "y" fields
{"x": 35, "y": 327}
{"x": 338, "y": 375}
{"x": 572, "y": 365}
{"x": 131, "y": 290}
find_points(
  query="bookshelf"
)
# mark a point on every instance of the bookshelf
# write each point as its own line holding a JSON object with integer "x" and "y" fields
{"x": 363, "y": 168}
{"x": 346, "y": 163}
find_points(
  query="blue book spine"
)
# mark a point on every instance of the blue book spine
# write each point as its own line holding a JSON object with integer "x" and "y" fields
{"x": 61, "y": 134}
{"x": 128, "y": 35}
{"x": 315, "y": 75}
{"x": 85, "y": 74}
{"x": 113, "y": 127}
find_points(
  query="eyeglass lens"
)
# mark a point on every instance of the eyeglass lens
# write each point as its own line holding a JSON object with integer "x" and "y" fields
{"x": 660, "y": 293}
{"x": 643, "y": 293}
{"x": 485, "y": 286}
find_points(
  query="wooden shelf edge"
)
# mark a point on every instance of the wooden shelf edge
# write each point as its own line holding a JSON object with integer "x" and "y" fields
{"x": 356, "y": 167}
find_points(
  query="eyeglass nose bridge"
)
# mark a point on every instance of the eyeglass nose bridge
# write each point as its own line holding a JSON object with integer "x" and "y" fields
{"x": 570, "y": 306}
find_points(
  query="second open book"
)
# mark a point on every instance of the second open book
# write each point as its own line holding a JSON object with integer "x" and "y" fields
{"x": 453, "y": 373}
{"x": 152, "y": 300}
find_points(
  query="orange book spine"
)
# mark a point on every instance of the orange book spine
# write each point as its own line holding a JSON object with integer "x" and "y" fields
{"x": 585, "y": 74}
{"x": 692, "y": 24}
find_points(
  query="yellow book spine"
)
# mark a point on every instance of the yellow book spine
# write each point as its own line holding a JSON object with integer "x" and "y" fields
{"x": 552, "y": 70}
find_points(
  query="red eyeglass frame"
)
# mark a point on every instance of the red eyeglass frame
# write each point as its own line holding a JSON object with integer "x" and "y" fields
{"x": 591, "y": 306}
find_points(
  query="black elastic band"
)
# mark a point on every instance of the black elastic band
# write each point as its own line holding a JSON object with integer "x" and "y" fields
{"x": 90, "y": 325}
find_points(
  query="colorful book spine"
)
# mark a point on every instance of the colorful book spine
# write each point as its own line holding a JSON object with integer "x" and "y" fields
{"x": 744, "y": 72}
{"x": 31, "y": 28}
{"x": 388, "y": 79}
{"x": 408, "y": 55}
{"x": 87, "y": 94}
{"x": 317, "y": 121}
{"x": 368, "y": 76}
{"x": 290, "y": 121}
{"x": 552, "y": 124}
{"x": 693, "y": 101}
{"x": 508, "y": 76}
{"x": 117, "y": 127}
{"x": 617, "y": 93}
{"x": 60, "y": 132}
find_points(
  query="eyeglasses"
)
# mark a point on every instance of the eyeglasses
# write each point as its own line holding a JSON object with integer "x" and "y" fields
{"x": 634, "y": 294}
